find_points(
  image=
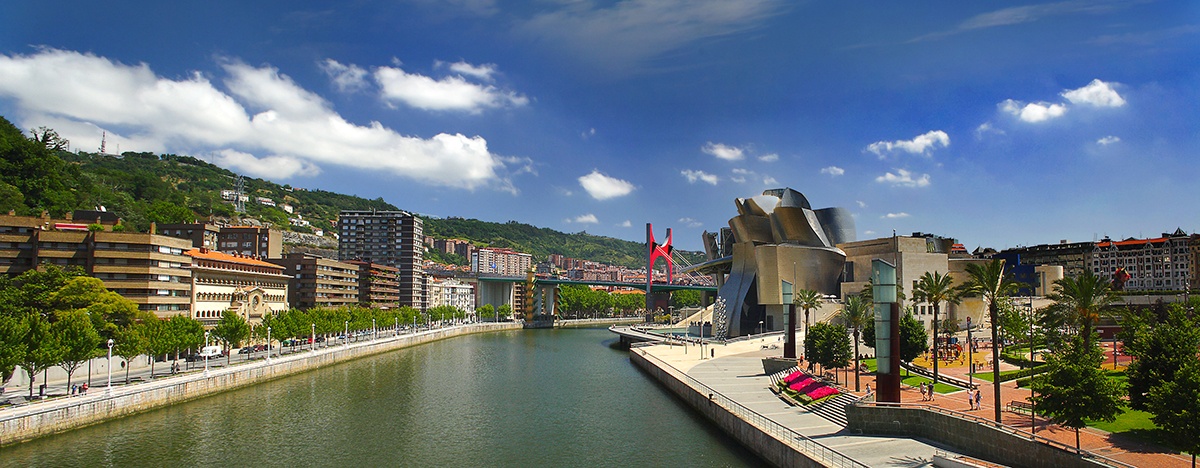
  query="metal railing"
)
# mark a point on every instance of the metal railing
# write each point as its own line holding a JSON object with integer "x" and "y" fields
{"x": 1011, "y": 430}
{"x": 789, "y": 437}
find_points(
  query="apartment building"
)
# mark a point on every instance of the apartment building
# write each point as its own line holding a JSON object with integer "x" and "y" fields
{"x": 150, "y": 270}
{"x": 378, "y": 285}
{"x": 1072, "y": 256}
{"x": 254, "y": 241}
{"x": 452, "y": 292}
{"x": 1158, "y": 264}
{"x": 503, "y": 262}
{"x": 319, "y": 282}
{"x": 202, "y": 235}
{"x": 249, "y": 287}
{"x": 392, "y": 238}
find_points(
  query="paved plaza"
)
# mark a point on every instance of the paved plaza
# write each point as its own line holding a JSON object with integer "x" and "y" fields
{"x": 737, "y": 373}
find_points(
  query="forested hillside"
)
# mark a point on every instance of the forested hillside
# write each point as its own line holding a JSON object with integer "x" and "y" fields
{"x": 37, "y": 174}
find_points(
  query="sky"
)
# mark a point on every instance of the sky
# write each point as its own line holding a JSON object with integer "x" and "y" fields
{"x": 997, "y": 123}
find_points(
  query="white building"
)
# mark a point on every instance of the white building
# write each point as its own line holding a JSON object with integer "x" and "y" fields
{"x": 250, "y": 287}
{"x": 452, "y": 292}
{"x": 1159, "y": 264}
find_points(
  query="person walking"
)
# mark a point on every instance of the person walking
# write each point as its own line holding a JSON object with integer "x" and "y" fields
{"x": 978, "y": 400}
{"x": 970, "y": 399}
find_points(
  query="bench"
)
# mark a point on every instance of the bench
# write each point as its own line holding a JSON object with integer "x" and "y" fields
{"x": 1019, "y": 406}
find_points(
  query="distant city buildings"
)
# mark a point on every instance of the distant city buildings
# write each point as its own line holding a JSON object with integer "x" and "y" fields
{"x": 378, "y": 284}
{"x": 452, "y": 292}
{"x": 1158, "y": 264}
{"x": 320, "y": 282}
{"x": 503, "y": 262}
{"x": 255, "y": 241}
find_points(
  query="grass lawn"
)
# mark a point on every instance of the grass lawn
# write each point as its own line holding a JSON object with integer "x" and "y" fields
{"x": 914, "y": 380}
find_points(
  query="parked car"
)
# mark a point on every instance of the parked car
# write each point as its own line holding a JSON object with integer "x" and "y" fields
{"x": 246, "y": 350}
{"x": 211, "y": 352}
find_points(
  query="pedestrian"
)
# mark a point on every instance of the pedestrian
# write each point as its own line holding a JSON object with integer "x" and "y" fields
{"x": 868, "y": 389}
{"x": 978, "y": 400}
{"x": 970, "y": 400}
{"x": 923, "y": 392}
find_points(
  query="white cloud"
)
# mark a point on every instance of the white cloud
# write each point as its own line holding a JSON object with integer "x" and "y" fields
{"x": 861, "y": 204}
{"x": 1108, "y": 140}
{"x": 769, "y": 157}
{"x": 264, "y": 114}
{"x": 691, "y": 223}
{"x": 868, "y": 233}
{"x": 591, "y": 132}
{"x": 1097, "y": 93}
{"x": 625, "y": 224}
{"x": 480, "y": 72}
{"x": 282, "y": 167}
{"x": 770, "y": 181}
{"x": 921, "y": 144}
{"x": 621, "y": 36}
{"x": 985, "y": 129}
{"x": 833, "y": 171}
{"x": 693, "y": 176}
{"x": 586, "y": 219}
{"x": 728, "y": 153}
{"x": 347, "y": 78}
{"x": 602, "y": 187}
{"x": 903, "y": 178}
{"x": 895, "y": 215}
{"x": 1033, "y": 112}
{"x": 452, "y": 93}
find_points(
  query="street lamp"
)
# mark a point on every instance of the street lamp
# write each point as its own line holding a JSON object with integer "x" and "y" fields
{"x": 970, "y": 357}
{"x": 202, "y": 351}
{"x": 1032, "y": 356}
{"x": 312, "y": 346}
{"x": 374, "y": 331}
{"x": 761, "y": 330}
{"x": 396, "y": 327}
{"x": 268, "y": 344}
{"x": 346, "y": 336}
{"x": 108, "y": 389}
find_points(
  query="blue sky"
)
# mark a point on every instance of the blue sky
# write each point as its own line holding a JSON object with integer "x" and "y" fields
{"x": 998, "y": 123}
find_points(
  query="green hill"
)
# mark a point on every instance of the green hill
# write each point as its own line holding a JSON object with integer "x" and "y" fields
{"x": 37, "y": 175}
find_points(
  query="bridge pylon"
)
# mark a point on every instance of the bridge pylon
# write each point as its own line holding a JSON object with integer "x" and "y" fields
{"x": 654, "y": 252}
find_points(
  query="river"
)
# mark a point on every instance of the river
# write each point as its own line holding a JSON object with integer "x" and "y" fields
{"x": 515, "y": 398}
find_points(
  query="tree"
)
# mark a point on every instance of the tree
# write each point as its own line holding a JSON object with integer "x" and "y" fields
{"x": 807, "y": 300}
{"x": 914, "y": 340}
{"x": 1175, "y": 405}
{"x": 934, "y": 289}
{"x": 989, "y": 282}
{"x": 1160, "y": 350}
{"x": 231, "y": 329}
{"x": 129, "y": 343}
{"x": 1074, "y": 388}
{"x": 78, "y": 339}
{"x": 187, "y": 333}
{"x": 42, "y": 349}
{"x": 828, "y": 345}
{"x": 504, "y": 311}
{"x": 487, "y": 311}
{"x": 12, "y": 345}
{"x": 682, "y": 298}
{"x": 1078, "y": 303}
{"x": 856, "y": 314}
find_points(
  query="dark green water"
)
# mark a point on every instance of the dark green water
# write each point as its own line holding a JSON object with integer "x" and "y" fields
{"x": 519, "y": 398}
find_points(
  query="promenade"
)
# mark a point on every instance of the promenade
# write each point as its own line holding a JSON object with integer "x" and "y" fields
{"x": 736, "y": 372}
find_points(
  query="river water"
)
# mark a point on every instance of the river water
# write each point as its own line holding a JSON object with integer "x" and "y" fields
{"x": 524, "y": 398}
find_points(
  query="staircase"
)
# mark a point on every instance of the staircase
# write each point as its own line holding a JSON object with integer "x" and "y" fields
{"x": 834, "y": 409}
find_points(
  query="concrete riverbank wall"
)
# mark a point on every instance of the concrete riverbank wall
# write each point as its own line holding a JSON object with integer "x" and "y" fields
{"x": 757, "y": 436}
{"x": 36, "y": 420}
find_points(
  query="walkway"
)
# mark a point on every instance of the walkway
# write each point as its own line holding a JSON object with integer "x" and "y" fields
{"x": 737, "y": 373}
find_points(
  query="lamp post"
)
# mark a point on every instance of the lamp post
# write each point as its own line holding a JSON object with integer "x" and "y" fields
{"x": 108, "y": 389}
{"x": 374, "y": 331}
{"x": 205, "y": 353}
{"x": 268, "y": 344}
{"x": 312, "y": 346}
{"x": 346, "y": 334}
{"x": 1032, "y": 356}
{"x": 970, "y": 357}
{"x": 396, "y": 327}
{"x": 761, "y": 328}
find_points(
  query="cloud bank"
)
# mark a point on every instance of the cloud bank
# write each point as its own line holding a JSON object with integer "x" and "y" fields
{"x": 602, "y": 187}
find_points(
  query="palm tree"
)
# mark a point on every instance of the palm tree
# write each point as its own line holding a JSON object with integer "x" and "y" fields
{"x": 807, "y": 300}
{"x": 989, "y": 282}
{"x": 935, "y": 288}
{"x": 856, "y": 313}
{"x": 1078, "y": 303}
